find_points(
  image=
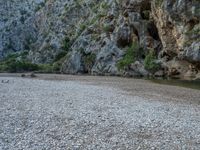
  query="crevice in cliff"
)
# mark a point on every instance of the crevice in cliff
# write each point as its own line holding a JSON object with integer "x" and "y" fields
{"x": 145, "y": 11}
{"x": 153, "y": 31}
{"x": 134, "y": 30}
{"x": 192, "y": 23}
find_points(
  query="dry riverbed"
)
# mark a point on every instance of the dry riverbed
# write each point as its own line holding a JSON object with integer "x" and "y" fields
{"x": 86, "y": 112}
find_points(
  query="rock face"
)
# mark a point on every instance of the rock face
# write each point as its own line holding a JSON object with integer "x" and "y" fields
{"x": 17, "y": 30}
{"x": 102, "y": 32}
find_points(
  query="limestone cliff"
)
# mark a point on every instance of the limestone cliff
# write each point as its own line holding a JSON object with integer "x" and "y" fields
{"x": 114, "y": 37}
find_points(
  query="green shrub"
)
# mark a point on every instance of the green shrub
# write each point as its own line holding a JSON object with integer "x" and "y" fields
{"x": 17, "y": 63}
{"x": 94, "y": 19}
{"x": 89, "y": 59}
{"x": 66, "y": 44}
{"x": 146, "y": 14}
{"x": 11, "y": 56}
{"x": 45, "y": 68}
{"x": 194, "y": 31}
{"x": 56, "y": 67}
{"x": 81, "y": 50}
{"x": 104, "y": 5}
{"x": 158, "y": 2}
{"x": 83, "y": 27}
{"x": 39, "y": 6}
{"x": 3, "y": 67}
{"x": 95, "y": 8}
{"x": 150, "y": 62}
{"x": 13, "y": 65}
{"x": 60, "y": 55}
{"x": 107, "y": 28}
{"x": 132, "y": 54}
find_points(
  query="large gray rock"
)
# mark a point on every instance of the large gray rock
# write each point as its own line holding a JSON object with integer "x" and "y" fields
{"x": 138, "y": 68}
{"x": 107, "y": 59}
{"x": 74, "y": 64}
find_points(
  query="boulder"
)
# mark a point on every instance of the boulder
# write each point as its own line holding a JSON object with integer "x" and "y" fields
{"x": 139, "y": 69}
{"x": 73, "y": 65}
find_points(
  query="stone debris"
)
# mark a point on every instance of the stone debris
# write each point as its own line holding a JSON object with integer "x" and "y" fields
{"x": 43, "y": 114}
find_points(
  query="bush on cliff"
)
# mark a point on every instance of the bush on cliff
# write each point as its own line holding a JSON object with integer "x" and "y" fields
{"x": 17, "y": 63}
{"x": 133, "y": 53}
{"x": 150, "y": 62}
{"x": 14, "y": 65}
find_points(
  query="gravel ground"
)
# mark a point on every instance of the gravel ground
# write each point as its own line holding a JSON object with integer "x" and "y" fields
{"x": 97, "y": 113}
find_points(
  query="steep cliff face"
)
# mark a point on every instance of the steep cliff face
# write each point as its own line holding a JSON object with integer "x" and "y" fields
{"x": 17, "y": 30}
{"x": 178, "y": 24}
{"x": 40, "y": 26}
{"x": 169, "y": 28}
{"x": 58, "y": 20}
{"x": 115, "y": 37}
{"x": 120, "y": 27}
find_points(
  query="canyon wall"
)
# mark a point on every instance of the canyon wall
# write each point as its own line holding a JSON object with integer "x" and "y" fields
{"x": 106, "y": 37}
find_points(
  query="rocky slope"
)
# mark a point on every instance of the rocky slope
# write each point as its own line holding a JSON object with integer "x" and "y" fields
{"x": 114, "y": 37}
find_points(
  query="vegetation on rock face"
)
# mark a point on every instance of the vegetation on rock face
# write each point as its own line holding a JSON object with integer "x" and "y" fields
{"x": 158, "y": 2}
{"x": 146, "y": 14}
{"x": 66, "y": 44}
{"x": 40, "y": 6}
{"x": 104, "y": 5}
{"x": 89, "y": 60}
{"x": 133, "y": 53}
{"x": 107, "y": 28}
{"x": 60, "y": 55}
{"x": 45, "y": 68}
{"x": 55, "y": 66}
{"x": 17, "y": 63}
{"x": 150, "y": 62}
{"x": 194, "y": 31}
